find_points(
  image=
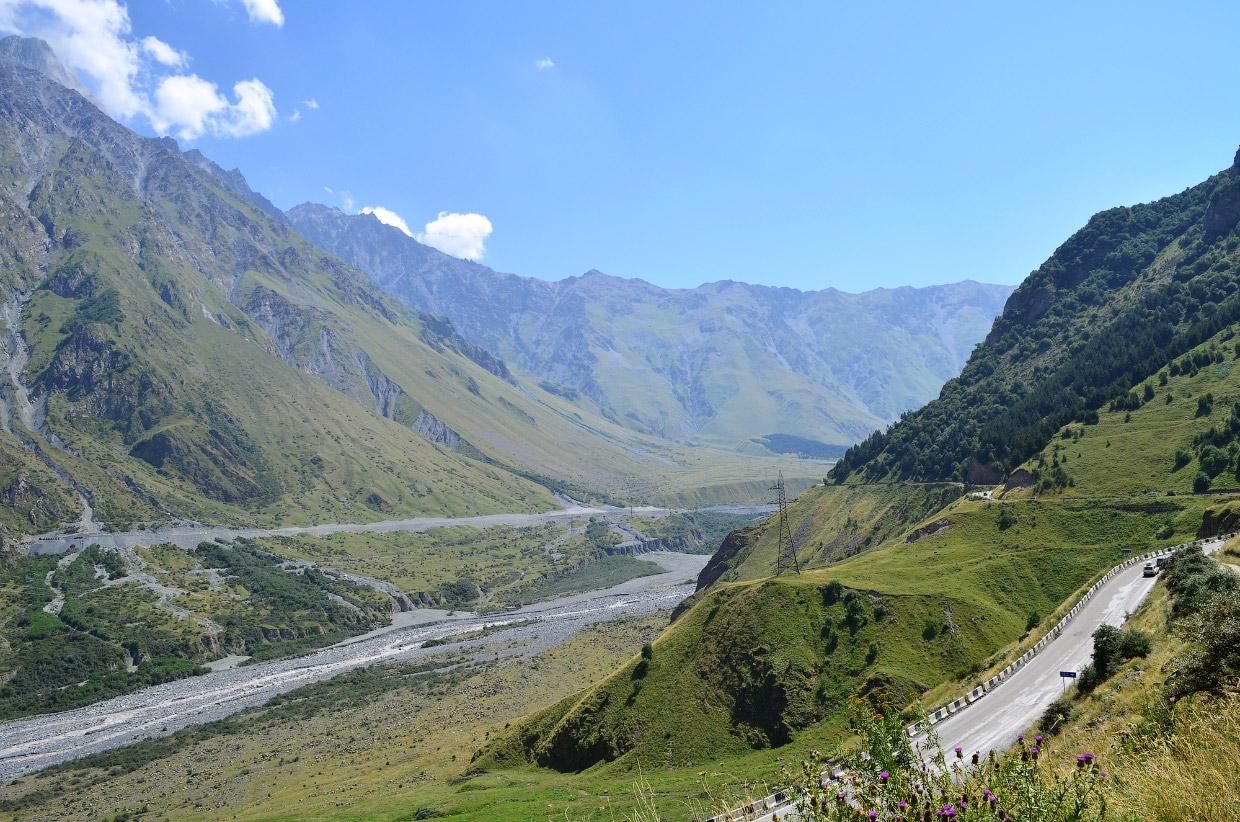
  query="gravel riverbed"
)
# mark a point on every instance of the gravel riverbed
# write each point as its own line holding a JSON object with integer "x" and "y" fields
{"x": 28, "y": 745}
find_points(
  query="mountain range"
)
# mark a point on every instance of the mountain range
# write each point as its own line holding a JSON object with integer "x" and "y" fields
{"x": 726, "y": 363}
{"x": 174, "y": 350}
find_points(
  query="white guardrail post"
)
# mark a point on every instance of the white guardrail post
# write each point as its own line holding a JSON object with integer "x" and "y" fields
{"x": 937, "y": 715}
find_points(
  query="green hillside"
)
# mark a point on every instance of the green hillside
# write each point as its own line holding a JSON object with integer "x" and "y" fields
{"x": 173, "y": 351}
{"x": 1135, "y": 289}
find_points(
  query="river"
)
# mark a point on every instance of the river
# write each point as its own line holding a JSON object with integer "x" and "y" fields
{"x": 28, "y": 745}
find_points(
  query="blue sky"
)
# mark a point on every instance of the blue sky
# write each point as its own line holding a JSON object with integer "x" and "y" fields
{"x": 809, "y": 145}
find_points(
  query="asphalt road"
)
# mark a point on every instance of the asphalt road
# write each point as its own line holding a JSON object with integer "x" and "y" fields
{"x": 994, "y": 721}
{"x": 31, "y": 744}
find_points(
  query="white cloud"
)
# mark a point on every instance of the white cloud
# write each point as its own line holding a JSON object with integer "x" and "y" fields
{"x": 163, "y": 53}
{"x": 186, "y": 105}
{"x": 311, "y": 103}
{"x": 295, "y": 116}
{"x": 253, "y": 112}
{"x": 264, "y": 11}
{"x": 129, "y": 77}
{"x": 388, "y": 217}
{"x": 189, "y": 106}
{"x": 545, "y": 63}
{"x": 461, "y": 235}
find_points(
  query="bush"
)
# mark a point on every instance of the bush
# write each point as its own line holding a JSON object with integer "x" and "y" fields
{"x": 872, "y": 653}
{"x": 931, "y": 629}
{"x": 1213, "y": 460}
{"x": 1201, "y": 482}
{"x": 1134, "y": 643}
{"x": 1087, "y": 679}
{"x": 1205, "y": 405}
{"x": 833, "y": 592}
{"x": 1182, "y": 457}
{"x": 1006, "y": 519}
{"x": 647, "y": 651}
{"x": 1032, "y": 620}
{"x": 1056, "y": 716}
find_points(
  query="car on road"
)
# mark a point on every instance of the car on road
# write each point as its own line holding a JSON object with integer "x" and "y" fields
{"x": 1151, "y": 570}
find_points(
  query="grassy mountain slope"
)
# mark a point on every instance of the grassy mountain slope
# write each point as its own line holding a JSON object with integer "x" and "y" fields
{"x": 186, "y": 354}
{"x": 725, "y": 363}
{"x": 1134, "y": 289}
{"x": 949, "y": 602}
{"x": 975, "y": 572}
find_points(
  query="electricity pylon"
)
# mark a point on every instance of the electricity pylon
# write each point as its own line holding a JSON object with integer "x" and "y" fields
{"x": 786, "y": 552}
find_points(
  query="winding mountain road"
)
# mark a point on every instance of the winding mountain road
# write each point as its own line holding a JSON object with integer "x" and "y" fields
{"x": 1012, "y": 706}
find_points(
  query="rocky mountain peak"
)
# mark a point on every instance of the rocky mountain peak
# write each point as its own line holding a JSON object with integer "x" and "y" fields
{"x": 37, "y": 55}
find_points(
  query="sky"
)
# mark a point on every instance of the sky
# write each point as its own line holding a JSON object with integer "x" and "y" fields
{"x": 810, "y": 145}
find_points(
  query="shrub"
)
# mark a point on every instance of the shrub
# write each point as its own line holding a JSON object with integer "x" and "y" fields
{"x": 1056, "y": 716}
{"x": 1006, "y": 519}
{"x": 1032, "y": 620}
{"x": 833, "y": 592}
{"x": 872, "y": 653}
{"x": 1134, "y": 643}
{"x": 1201, "y": 482}
{"x": 647, "y": 651}
{"x": 1087, "y": 679}
{"x": 931, "y": 629}
{"x": 1205, "y": 405}
{"x": 1213, "y": 460}
{"x": 1182, "y": 457}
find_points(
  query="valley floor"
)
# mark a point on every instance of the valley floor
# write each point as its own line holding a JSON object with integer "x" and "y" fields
{"x": 36, "y": 743}
{"x": 188, "y": 537}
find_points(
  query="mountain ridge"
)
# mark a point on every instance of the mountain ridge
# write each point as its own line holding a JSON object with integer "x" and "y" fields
{"x": 595, "y": 333}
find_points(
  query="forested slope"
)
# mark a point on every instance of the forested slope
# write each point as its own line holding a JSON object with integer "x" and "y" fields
{"x": 1129, "y": 292}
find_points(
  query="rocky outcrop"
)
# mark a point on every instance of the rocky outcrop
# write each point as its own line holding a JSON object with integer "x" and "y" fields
{"x": 429, "y": 426}
{"x": 438, "y": 333}
{"x": 1223, "y": 210}
{"x": 936, "y": 527}
{"x": 1020, "y": 478}
{"x": 1219, "y": 519}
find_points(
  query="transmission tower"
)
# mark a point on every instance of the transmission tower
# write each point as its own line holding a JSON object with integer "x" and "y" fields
{"x": 786, "y": 552}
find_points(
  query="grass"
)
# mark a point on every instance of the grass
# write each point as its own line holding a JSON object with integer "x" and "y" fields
{"x": 600, "y": 573}
{"x": 450, "y": 566}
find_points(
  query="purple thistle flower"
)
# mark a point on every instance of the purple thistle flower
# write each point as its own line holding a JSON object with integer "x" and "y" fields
{"x": 1038, "y": 739}
{"x": 1103, "y": 774}
{"x": 884, "y": 776}
{"x": 959, "y": 753}
{"x": 874, "y": 814}
{"x": 1020, "y": 738}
